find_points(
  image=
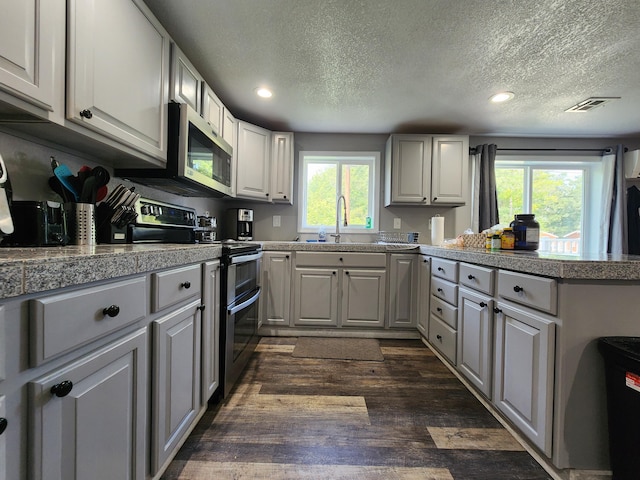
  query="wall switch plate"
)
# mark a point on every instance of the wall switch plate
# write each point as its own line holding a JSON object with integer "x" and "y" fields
{"x": 276, "y": 220}
{"x": 397, "y": 223}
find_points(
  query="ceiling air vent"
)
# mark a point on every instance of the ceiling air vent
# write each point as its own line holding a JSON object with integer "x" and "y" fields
{"x": 590, "y": 104}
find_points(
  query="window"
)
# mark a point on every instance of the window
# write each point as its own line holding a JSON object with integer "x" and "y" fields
{"x": 564, "y": 194}
{"x": 324, "y": 176}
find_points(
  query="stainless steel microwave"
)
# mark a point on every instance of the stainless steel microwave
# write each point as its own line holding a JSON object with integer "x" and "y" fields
{"x": 198, "y": 160}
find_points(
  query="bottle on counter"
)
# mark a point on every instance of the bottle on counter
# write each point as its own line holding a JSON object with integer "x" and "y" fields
{"x": 495, "y": 241}
{"x": 488, "y": 239}
{"x": 507, "y": 239}
{"x": 527, "y": 231}
{"x": 322, "y": 235}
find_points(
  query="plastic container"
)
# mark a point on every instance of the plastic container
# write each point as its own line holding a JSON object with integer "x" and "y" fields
{"x": 322, "y": 235}
{"x": 526, "y": 230}
{"x": 622, "y": 372}
{"x": 507, "y": 239}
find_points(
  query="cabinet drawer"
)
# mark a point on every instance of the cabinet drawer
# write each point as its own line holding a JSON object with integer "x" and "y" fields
{"x": 446, "y": 312}
{"x": 447, "y": 291}
{"x": 446, "y": 269}
{"x": 176, "y": 285}
{"x": 478, "y": 278}
{"x": 60, "y": 323}
{"x": 340, "y": 259}
{"x": 536, "y": 292}
{"x": 443, "y": 337}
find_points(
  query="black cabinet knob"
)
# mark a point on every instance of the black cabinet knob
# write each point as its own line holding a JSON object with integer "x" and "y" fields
{"x": 186, "y": 285}
{"x": 62, "y": 389}
{"x": 518, "y": 289}
{"x": 111, "y": 311}
{"x": 340, "y": 259}
{"x": 439, "y": 337}
{"x": 201, "y": 307}
{"x": 439, "y": 310}
{"x": 435, "y": 198}
{"x": 425, "y": 260}
{"x": 482, "y": 304}
{"x": 3, "y": 425}
{"x": 286, "y": 256}
{"x": 86, "y": 114}
{"x": 471, "y": 277}
{"x": 496, "y": 310}
{"x": 267, "y": 194}
{"x": 440, "y": 269}
{"x": 347, "y": 272}
{"x": 440, "y": 290}
{"x": 333, "y": 273}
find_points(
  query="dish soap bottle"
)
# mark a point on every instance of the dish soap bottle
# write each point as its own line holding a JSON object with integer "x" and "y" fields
{"x": 322, "y": 235}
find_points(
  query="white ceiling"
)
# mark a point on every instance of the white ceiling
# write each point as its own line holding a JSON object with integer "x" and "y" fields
{"x": 401, "y": 66}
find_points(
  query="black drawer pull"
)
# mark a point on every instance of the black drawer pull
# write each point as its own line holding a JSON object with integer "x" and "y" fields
{"x": 3, "y": 425}
{"x": 471, "y": 277}
{"x": 186, "y": 285}
{"x": 86, "y": 113}
{"x": 482, "y": 304}
{"x": 440, "y": 290}
{"x": 62, "y": 389}
{"x": 518, "y": 289}
{"x": 496, "y": 310}
{"x": 440, "y": 269}
{"x": 439, "y": 310}
{"x": 111, "y": 311}
{"x": 439, "y": 337}
{"x": 201, "y": 307}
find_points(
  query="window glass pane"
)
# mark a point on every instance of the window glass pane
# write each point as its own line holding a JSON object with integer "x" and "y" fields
{"x": 355, "y": 188}
{"x": 510, "y": 188}
{"x": 557, "y": 203}
{"x": 322, "y": 182}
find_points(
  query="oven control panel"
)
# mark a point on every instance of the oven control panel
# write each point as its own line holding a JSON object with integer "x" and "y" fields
{"x": 156, "y": 213}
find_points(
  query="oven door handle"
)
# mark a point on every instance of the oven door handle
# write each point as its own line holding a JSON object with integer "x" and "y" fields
{"x": 235, "y": 309}
{"x": 245, "y": 258}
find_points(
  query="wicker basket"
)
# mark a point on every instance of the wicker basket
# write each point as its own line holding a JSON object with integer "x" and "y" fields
{"x": 398, "y": 237}
{"x": 474, "y": 240}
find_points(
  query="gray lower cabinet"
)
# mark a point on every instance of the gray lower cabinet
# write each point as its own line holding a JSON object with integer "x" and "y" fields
{"x": 88, "y": 419}
{"x": 4, "y": 423}
{"x": 275, "y": 297}
{"x": 475, "y": 338}
{"x": 524, "y": 371}
{"x": 424, "y": 295}
{"x": 176, "y": 380}
{"x": 402, "y": 290}
{"x": 210, "y": 329}
{"x": 316, "y": 297}
{"x": 363, "y": 297}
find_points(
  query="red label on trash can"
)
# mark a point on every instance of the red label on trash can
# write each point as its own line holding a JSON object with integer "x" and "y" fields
{"x": 633, "y": 381}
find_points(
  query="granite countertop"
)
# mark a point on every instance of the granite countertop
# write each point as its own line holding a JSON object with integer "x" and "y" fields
{"x": 583, "y": 267}
{"x": 33, "y": 270}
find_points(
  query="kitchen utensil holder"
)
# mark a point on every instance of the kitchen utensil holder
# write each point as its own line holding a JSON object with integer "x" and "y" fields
{"x": 81, "y": 218}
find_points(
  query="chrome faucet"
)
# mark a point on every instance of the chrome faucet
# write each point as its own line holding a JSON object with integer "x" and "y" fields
{"x": 344, "y": 203}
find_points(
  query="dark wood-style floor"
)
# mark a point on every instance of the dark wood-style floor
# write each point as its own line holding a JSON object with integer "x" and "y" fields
{"x": 408, "y": 417}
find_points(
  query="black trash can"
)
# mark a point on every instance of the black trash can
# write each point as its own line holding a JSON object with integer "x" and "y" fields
{"x": 622, "y": 367}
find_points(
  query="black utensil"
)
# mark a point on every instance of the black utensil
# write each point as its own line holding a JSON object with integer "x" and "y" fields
{"x": 56, "y": 186}
{"x": 102, "y": 176}
{"x": 89, "y": 189}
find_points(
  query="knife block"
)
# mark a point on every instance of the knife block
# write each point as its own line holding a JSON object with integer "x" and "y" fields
{"x": 107, "y": 232}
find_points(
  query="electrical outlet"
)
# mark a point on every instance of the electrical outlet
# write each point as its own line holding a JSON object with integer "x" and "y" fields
{"x": 276, "y": 220}
{"x": 397, "y": 223}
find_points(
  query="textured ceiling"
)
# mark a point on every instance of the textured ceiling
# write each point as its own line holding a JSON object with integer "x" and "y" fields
{"x": 382, "y": 66}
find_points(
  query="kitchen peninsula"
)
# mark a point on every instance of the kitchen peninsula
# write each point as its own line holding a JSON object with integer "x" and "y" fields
{"x": 463, "y": 303}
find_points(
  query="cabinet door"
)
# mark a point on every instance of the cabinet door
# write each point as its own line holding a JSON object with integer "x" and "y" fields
{"x": 316, "y": 297}
{"x": 402, "y": 290}
{"x": 450, "y": 170}
{"x": 475, "y": 339}
{"x": 524, "y": 366}
{"x": 408, "y": 174}
{"x": 230, "y": 134}
{"x": 282, "y": 167}
{"x": 30, "y": 33}
{"x": 253, "y": 161}
{"x": 210, "y": 330}
{"x": 118, "y": 72}
{"x": 176, "y": 389}
{"x": 97, "y": 429}
{"x": 213, "y": 110}
{"x": 4, "y": 423}
{"x": 275, "y": 298}
{"x": 363, "y": 297}
{"x": 424, "y": 274}
{"x": 186, "y": 82}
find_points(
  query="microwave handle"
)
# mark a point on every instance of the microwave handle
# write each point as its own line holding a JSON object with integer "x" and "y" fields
{"x": 245, "y": 304}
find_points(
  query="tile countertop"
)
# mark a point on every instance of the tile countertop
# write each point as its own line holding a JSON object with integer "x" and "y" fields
{"x": 32, "y": 270}
{"x": 570, "y": 267}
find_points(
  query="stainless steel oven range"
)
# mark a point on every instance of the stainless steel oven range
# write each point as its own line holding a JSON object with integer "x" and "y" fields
{"x": 240, "y": 291}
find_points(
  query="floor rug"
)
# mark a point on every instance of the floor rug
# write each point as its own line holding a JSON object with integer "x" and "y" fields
{"x": 338, "y": 348}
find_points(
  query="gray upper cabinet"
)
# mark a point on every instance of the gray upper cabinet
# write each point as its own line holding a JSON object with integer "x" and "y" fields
{"x": 426, "y": 170}
{"x": 213, "y": 111}
{"x": 88, "y": 419}
{"x": 118, "y": 73}
{"x": 186, "y": 82}
{"x": 32, "y": 50}
{"x": 253, "y": 162}
{"x": 282, "y": 167}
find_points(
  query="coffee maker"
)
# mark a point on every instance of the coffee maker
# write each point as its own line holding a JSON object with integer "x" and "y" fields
{"x": 239, "y": 224}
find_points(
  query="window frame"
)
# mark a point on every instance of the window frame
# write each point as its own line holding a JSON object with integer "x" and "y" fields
{"x": 593, "y": 170}
{"x": 371, "y": 158}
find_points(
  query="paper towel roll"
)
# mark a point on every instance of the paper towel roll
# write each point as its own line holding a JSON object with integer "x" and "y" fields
{"x": 437, "y": 230}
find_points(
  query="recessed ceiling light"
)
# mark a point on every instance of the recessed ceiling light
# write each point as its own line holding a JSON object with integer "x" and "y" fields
{"x": 502, "y": 97}
{"x": 264, "y": 92}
